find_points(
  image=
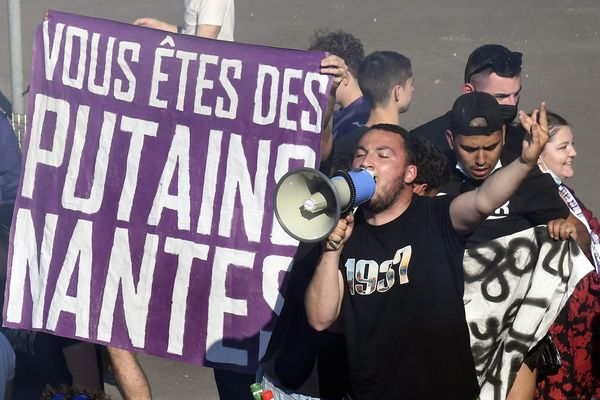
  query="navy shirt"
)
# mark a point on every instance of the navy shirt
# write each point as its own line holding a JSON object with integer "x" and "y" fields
{"x": 351, "y": 117}
{"x": 10, "y": 161}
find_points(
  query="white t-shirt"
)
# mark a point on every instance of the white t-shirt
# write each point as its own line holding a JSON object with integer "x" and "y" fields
{"x": 210, "y": 12}
{"x": 7, "y": 364}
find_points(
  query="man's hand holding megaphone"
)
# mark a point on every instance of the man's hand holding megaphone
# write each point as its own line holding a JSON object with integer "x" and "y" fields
{"x": 340, "y": 234}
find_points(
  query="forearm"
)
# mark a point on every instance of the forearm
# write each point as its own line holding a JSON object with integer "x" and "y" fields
{"x": 498, "y": 188}
{"x": 208, "y": 31}
{"x": 130, "y": 377}
{"x": 82, "y": 363}
{"x": 471, "y": 208}
{"x": 583, "y": 236}
{"x": 323, "y": 297}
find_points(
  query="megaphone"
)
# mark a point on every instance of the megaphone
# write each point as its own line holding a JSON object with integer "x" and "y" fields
{"x": 308, "y": 205}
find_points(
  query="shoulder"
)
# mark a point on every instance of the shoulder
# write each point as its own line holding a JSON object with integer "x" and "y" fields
{"x": 3, "y": 120}
{"x": 537, "y": 179}
{"x": 348, "y": 142}
{"x": 198, "y": 5}
{"x": 435, "y": 132}
{"x": 6, "y": 130}
{"x": 433, "y": 207}
{"x": 435, "y": 127}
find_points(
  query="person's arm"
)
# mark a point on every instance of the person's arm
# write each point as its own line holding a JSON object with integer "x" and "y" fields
{"x": 323, "y": 299}
{"x": 82, "y": 363}
{"x": 156, "y": 24}
{"x": 10, "y": 161}
{"x": 335, "y": 66}
{"x": 581, "y": 234}
{"x": 561, "y": 229}
{"x": 8, "y": 391}
{"x": 131, "y": 380}
{"x": 469, "y": 209}
{"x": 208, "y": 31}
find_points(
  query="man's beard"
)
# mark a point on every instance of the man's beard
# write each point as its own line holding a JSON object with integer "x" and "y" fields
{"x": 383, "y": 201}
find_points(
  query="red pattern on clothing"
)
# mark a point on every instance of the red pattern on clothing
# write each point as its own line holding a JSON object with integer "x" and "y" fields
{"x": 576, "y": 335}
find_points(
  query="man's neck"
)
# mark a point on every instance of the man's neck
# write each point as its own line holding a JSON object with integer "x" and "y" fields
{"x": 349, "y": 96}
{"x": 392, "y": 212}
{"x": 383, "y": 115}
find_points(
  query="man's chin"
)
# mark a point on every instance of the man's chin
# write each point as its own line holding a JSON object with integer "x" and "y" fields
{"x": 479, "y": 176}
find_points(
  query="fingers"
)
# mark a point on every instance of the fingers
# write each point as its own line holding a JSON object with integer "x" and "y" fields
{"x": 148, "y": 22}
{"x": 335, "y": 66}
{"x": 340, "y": 234}
{"x": 537, "y": 126}
{"x": 560, "y": 229}
{"x": 543, "y": 116}
{"x": 526, "y": 121}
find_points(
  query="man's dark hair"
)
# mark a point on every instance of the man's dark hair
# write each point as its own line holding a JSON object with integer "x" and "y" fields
{"x": 400, "y": 131}
{"x": 341, "y": 44}
{"x": 380, "y": 72}
{"x": 431, "y": 163}
{"x": 492, "y": 58}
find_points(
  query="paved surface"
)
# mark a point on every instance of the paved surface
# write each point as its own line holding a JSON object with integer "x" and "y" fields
{"x": 560, "y": 40}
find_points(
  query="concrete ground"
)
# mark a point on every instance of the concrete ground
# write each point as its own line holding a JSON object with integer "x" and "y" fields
{"x": 559, "y": 38}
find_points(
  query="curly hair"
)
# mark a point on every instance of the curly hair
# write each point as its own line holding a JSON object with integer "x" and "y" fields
{"x": 341, "y": 44}
{"x": 65, "y": 392}
{"x": 431, "y": 163}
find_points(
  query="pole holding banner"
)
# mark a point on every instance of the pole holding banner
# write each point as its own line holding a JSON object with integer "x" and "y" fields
{"x": 16, "y": 66}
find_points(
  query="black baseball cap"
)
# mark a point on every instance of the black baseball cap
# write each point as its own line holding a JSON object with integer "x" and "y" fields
{"x": 476, "y": 105}
{"x": 498, "y": 58}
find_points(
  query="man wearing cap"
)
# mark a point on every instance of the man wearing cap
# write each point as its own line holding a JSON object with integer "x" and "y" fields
{"x": 476, "y": 136}
{"x": 492, "y": 69}
{"x": 391, "y": 276}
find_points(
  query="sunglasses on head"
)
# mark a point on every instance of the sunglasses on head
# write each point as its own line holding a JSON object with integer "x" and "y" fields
{"x": 506, "y": 63}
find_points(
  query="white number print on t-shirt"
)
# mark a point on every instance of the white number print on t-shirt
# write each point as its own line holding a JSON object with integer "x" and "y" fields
{"x": 364, "y": 277}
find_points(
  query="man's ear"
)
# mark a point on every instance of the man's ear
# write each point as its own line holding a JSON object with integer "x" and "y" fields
{"x": 346, "y": 78}
{"x": 468, "y": 88}
{"x": 410, "y": 175}
{"x": 420, "y": 188}
{"x": 450, "y": 139}
{"x": 396, "y": 93}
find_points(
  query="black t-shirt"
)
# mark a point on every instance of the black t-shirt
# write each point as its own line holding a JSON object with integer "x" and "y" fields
{"x": 536, "y": 202}
{"x": 435, "y": 131}
{"x": 298, "y": 357}
{"x": 403, "y": 313}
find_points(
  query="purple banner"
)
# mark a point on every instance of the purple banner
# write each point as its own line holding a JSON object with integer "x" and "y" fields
{"x": 145, "y": 213}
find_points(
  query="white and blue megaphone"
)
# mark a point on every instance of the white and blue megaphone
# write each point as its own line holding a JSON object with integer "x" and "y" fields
{"x": 308, "y": 205}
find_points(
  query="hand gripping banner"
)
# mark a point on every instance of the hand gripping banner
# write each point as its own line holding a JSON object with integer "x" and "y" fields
{"x": 515, "y": 286}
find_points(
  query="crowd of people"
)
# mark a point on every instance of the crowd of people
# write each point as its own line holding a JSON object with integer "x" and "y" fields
{"x": 376, "y": 311}
{"x": 341, "y": 335}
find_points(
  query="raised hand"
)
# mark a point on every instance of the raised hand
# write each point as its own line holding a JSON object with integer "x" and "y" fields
{"x": 335, "y": 66}
{"x": 537, "y": 126}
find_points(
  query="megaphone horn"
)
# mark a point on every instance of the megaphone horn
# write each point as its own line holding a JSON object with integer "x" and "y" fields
{"x": 308, "y": 205}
